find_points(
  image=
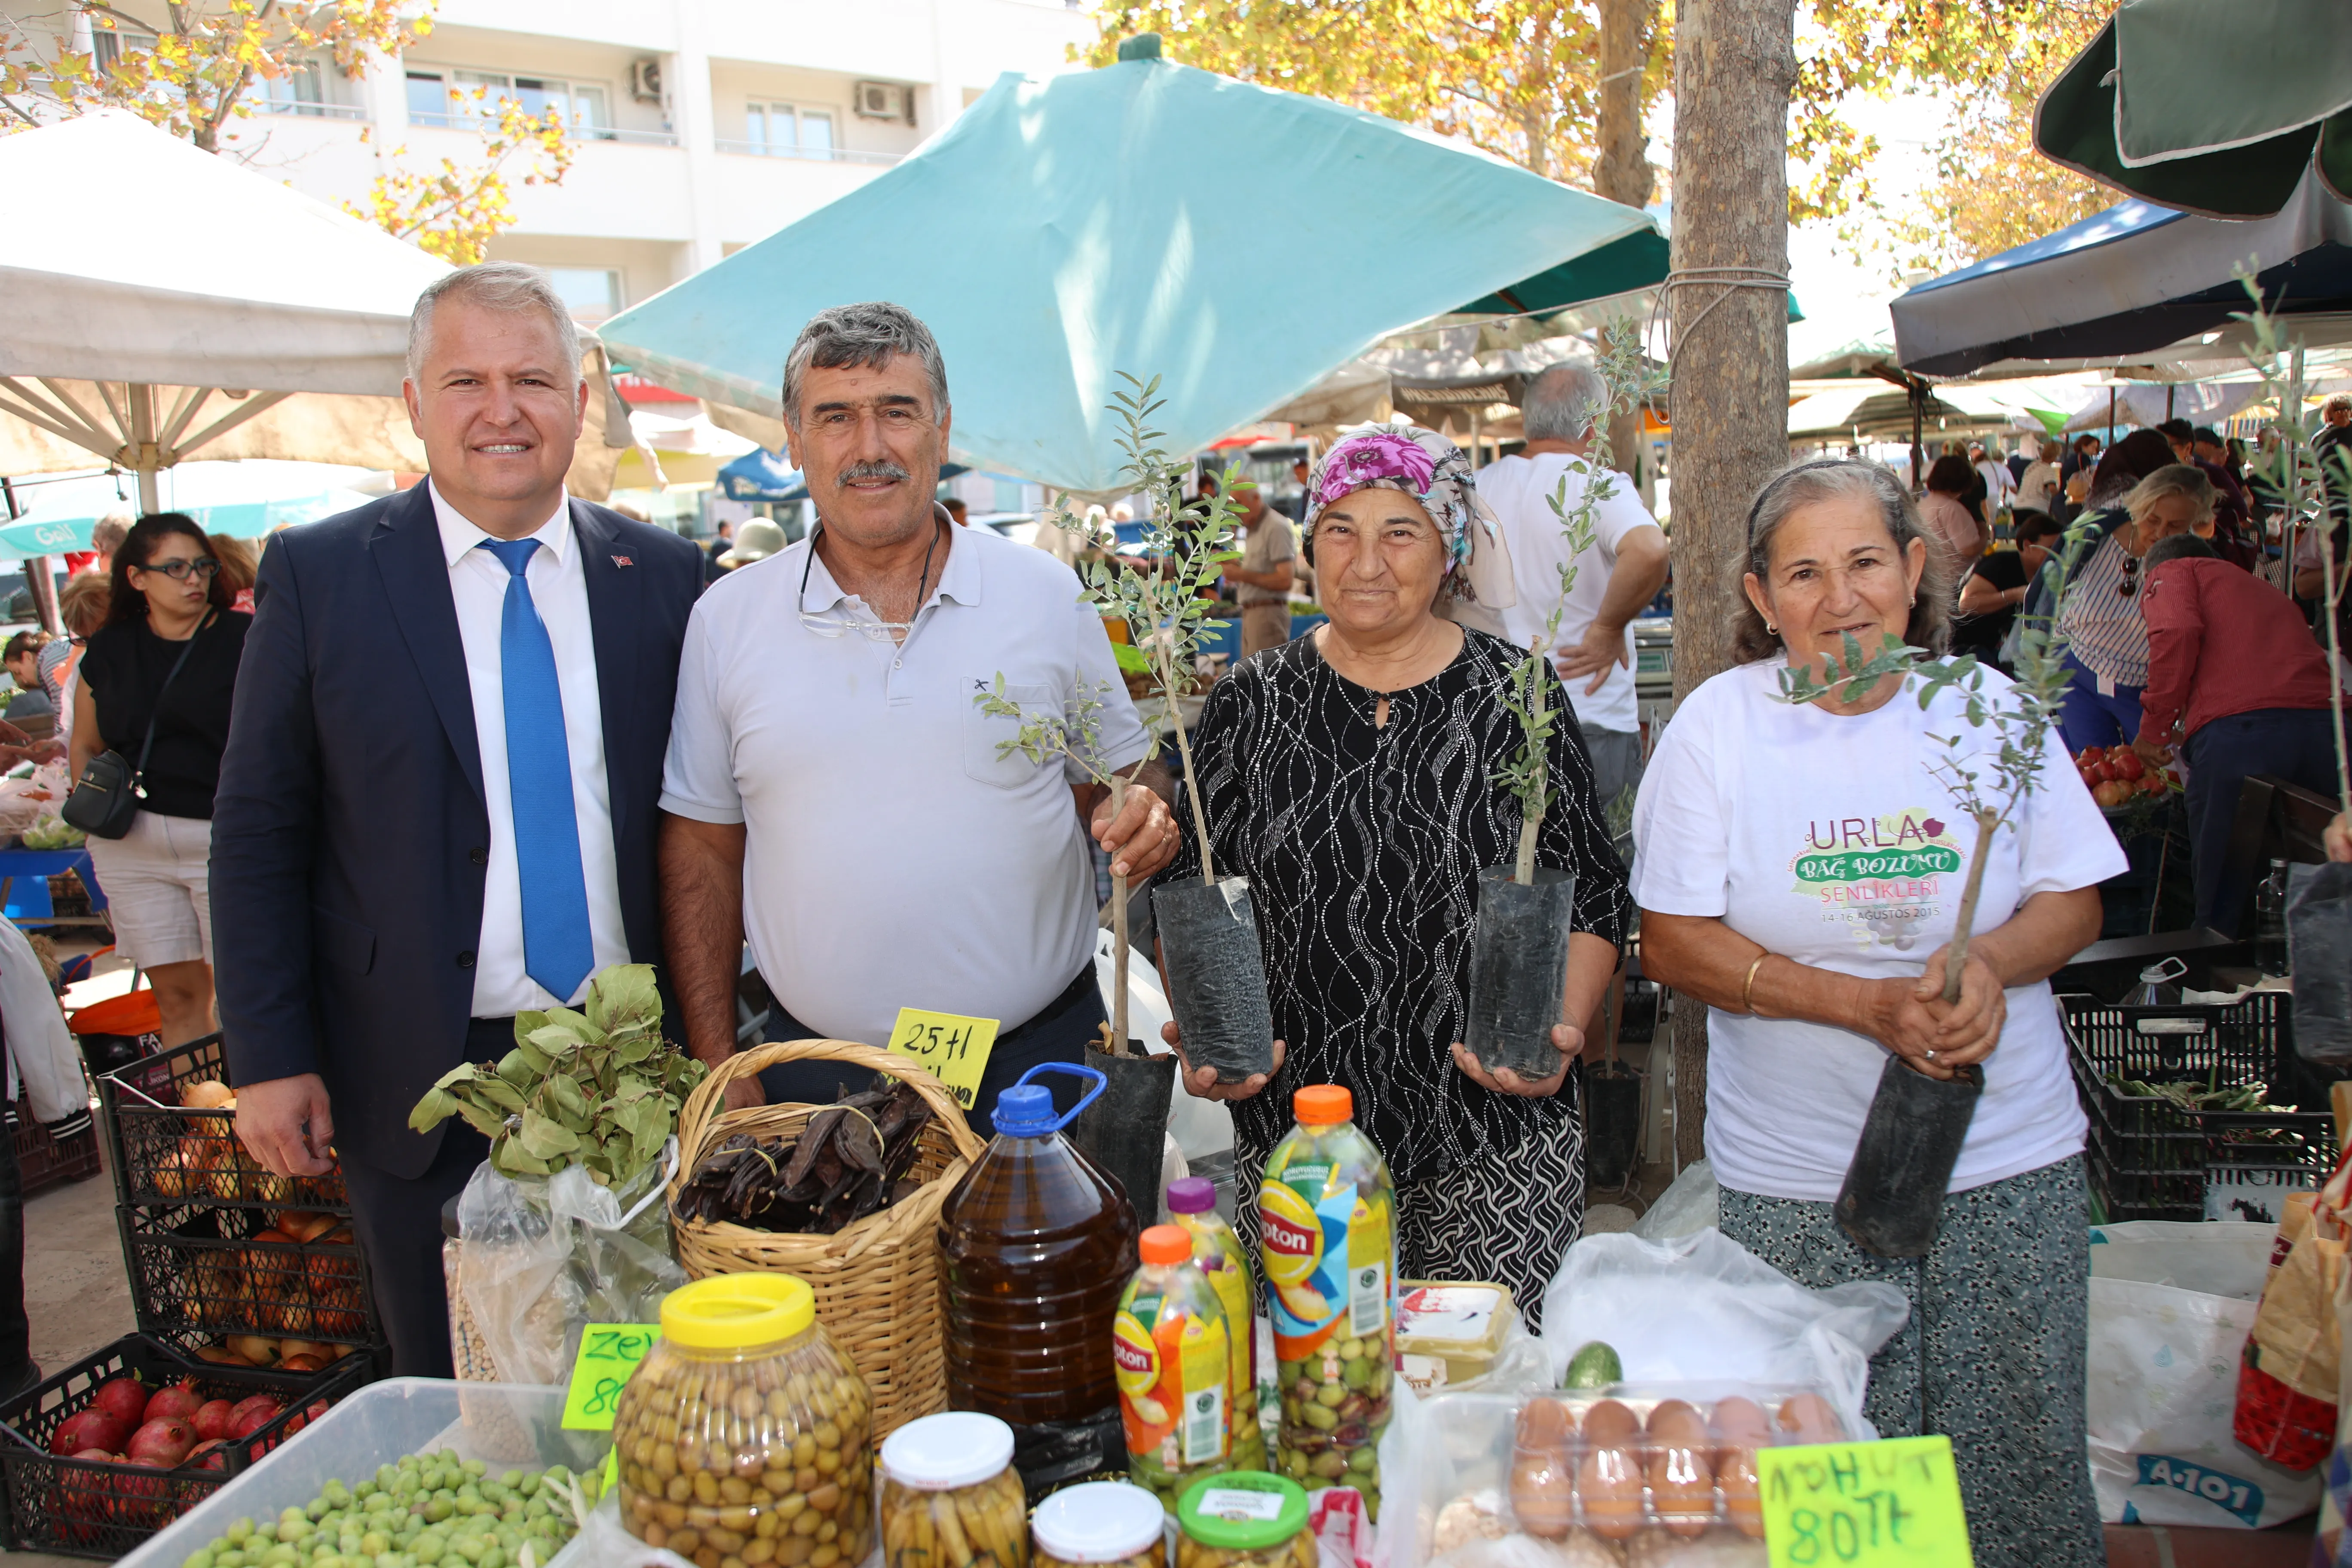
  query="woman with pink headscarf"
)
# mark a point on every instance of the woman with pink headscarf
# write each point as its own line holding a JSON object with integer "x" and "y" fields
{"x": 1350, "y": 775}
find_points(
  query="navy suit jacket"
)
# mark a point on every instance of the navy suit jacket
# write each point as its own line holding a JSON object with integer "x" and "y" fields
{"x": 350, "y": 837}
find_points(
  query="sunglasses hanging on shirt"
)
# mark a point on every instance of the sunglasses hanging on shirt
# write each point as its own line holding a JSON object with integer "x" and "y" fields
{"x": 2130, "y": 584}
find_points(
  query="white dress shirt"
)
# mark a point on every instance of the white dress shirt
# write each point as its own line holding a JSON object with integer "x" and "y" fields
{"x": 559, "y": 589}
{"x": 896, "y": 854}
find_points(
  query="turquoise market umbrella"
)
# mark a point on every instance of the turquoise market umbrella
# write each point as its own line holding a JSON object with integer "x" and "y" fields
{"x": 2215, "y": 106}
{"x": 1149, "y": 218}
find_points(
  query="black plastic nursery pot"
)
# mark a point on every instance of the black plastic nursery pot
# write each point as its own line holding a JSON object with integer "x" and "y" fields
{"x": 1892, "y": 1200}
{"x": 1123, "y": 1131}
{"x": 1216, "y": 975}
{"x": 1518, "y": 970}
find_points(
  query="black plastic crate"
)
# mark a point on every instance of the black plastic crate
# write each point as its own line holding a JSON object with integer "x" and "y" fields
{"x": 2149, "y": 1159}
{"x": 92, "y": 1509}
{"x": 168, "y": 1154}
{"x": 43, "y": 1161}
{"x": 199, "y": 1276}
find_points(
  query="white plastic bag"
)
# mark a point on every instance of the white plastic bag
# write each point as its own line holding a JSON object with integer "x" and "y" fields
{"x": 542, "y": 1260}
{"x": 2171, "y": 1304}
{"x": 1690, "y": 1206}
{"x": 1704, "y": 1309}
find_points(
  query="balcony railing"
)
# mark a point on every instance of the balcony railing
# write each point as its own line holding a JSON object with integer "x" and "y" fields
{"x": 462, "y": 122}
{"x": 809, "y": 154}
{"x": 301, "y": 110}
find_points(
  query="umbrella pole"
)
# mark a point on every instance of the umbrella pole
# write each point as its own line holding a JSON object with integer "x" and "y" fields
{"x": 142, "y": 447}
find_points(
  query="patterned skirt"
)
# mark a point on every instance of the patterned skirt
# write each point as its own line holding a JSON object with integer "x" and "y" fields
{"x": 1992, "y": 1355}
{"x": 1508, "y": 1220}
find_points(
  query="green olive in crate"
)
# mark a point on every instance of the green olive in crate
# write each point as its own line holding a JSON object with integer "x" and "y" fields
{"x": 427, "y": 1509}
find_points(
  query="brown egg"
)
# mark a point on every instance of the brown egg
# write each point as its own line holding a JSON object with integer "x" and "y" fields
{"x": 1545, "y": 1421}
{"x": 1682, "y": 1488}
{"x": 1735, "y": 1471}
{"x": 1810, "y": 1417}
{"x": 1675, "y": 1421}
{"x": 1608, "y": 1485}
{"x": 1741, "y": 1422}
{"x": 1542, "y": 1494}
{"x": 1610, "y": 1422}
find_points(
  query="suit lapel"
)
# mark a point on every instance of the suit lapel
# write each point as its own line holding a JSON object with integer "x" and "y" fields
{"x": 406, "y": 550}
{"x": 612, "y": 601}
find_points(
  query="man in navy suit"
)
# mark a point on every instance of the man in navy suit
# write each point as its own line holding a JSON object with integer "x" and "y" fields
{"x": 440, "y": 801}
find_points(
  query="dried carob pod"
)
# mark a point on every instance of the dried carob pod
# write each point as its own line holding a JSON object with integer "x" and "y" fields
{"x": 850, "y": 1159}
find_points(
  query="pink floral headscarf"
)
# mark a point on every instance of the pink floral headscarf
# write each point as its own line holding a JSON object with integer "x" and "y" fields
{"x": 1431, "y": 469}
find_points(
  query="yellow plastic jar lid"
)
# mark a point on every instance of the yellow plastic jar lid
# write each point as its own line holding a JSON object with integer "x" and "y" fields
{"x": 737, "y": 1312}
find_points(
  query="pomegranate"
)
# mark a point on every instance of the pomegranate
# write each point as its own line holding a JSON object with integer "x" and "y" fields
{"x": 162, "y": 1442}
{"x": 210, "y": 1455}
{"x": 124, "y": 1398}
{"x": 252, "y": 1415}
{"x": 89, "y": 1427}
{"x": 180, "y": 1400}
{"x": 211, "y": 1418}
{"x": 302, "y": 1363}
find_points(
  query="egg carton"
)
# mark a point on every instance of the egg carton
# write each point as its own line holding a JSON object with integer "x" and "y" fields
{"x": 1606, "y": 1475}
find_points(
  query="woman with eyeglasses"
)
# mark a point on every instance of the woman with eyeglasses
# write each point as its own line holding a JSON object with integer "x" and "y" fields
{"x": 168, "y": 609}
{"x": 1799, "y": 869}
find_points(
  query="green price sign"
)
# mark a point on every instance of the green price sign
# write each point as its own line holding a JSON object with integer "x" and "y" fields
{"x": 1895, "y": 1504}
{"x": 609, "y": 1352}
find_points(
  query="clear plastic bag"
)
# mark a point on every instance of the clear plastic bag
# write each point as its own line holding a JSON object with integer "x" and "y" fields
{"x": 1690, "y": 1206}
{"x": 544, "y": 1258}
{"x": 1704, "y": 1309}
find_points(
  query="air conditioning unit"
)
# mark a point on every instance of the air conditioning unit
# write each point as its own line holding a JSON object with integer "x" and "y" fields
{"x": 645, "y": 81}
{"x": 885, "y": 101}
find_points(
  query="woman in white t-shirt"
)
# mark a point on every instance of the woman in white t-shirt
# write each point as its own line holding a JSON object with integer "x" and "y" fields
{"x": 1798, "y": 868}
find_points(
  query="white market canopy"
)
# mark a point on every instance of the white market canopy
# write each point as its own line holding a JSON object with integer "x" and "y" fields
{"x": 235, "y": 316}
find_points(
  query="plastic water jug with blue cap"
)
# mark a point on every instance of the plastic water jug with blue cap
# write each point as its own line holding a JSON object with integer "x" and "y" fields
{"x": 1035, "y": 1245}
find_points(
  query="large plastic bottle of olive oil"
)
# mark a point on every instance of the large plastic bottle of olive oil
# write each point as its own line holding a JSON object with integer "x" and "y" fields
{"x": 1035, "y": 1245}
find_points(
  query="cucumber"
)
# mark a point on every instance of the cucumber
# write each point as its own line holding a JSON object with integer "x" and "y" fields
{"x": 1594, "y": 1365}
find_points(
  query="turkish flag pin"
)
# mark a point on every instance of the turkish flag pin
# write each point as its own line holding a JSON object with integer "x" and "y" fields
{"x": 623, "y": 560}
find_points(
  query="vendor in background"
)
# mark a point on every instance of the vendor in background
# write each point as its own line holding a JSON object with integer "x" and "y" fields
{"x": 1260, "y": 581}
{"x": 2231, "y": 529}
{"x": 1991, "y": 597}
{"x": 167, "y": 591}
{"x": 2236, "y": 682}
{"x": 82, "y": 605}
{"x": 1952, "y": 521}
{"x": 959, "y": 512}
{"x": 2037, "y": 485}
{"x": 2106, "y": 649}
{"x": 22, "y": 660}
{"x": 237, "y": 570}
{"x": 1350, "y": 775}
{"x": 1813, "y": 973}
{"x": 833, "y": 790}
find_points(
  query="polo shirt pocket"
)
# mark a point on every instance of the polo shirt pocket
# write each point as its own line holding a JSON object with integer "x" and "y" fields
{"x": 987, "y": 756}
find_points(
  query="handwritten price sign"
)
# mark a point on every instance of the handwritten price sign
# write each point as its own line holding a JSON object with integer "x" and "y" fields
{"x": 950, "y": 1047}
{"x": 1895, "y": 1504}
{"x": 609, "y": 1352}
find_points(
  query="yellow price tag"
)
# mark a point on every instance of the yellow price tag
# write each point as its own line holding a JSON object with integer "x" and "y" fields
{"x": 609, "y": 1352}
{"x": 1867, "y": 1505}
{"x": 950, "y": 1047}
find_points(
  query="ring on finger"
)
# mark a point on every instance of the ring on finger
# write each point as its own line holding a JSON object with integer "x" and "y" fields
{"x": 1931, "y": 1056}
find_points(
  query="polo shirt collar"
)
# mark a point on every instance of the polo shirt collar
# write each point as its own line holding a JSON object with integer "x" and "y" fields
{"x": 961, "y": 581}
{"x": 459, "y": 533}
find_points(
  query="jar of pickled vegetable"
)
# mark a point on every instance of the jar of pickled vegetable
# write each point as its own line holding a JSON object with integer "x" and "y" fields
{"x": 1098, "y": 1523}
{"x": 949, "y": 1495}
{"x": 743, "y": 1434}
{"x": 1244, "y": 1519}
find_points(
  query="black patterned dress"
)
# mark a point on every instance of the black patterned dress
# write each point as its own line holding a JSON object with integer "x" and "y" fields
{"x": 1363, "y": 844}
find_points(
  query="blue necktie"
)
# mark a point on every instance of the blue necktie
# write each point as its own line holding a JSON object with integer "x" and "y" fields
{"x": 558, "y": 951}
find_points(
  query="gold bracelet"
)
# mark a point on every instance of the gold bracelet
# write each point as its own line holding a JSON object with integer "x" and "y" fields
{"x": 1747, "y": 992}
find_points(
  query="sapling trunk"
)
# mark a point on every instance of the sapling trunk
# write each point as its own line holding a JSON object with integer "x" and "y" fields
{"x": 1956, "y": 957}
{"x": 1531, "y": 805}
{"x": 1117, "y": 932}
{"x": 1184, "y": 753}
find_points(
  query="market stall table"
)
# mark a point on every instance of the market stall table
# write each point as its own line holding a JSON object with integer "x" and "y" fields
{"x": 32, "y": 903}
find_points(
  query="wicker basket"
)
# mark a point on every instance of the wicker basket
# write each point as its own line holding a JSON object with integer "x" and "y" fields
{"x": 878, "y": 1281}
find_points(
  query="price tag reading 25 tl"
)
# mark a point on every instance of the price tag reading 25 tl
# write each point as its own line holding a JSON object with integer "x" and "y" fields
{"x": 1895, "y": 1504}
{"x": 950, "y": 1047}
{"x": 609, "y": 1352}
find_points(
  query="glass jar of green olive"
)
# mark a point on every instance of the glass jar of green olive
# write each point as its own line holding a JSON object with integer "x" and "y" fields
{"x": 743, "y": 1434}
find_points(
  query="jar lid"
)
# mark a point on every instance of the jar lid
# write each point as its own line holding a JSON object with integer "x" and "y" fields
{"x": 736, "y": 1311}
{"x": 1323, "y": 1104}
{"x": 1243, "y": 1511}
{"x": 1191, "y": 1194}
{"x": 1099, "y": 1522}
{"x": 953, "y": 1448}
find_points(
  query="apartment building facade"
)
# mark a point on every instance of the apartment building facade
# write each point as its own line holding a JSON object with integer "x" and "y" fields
{"x": 698, "y": 127}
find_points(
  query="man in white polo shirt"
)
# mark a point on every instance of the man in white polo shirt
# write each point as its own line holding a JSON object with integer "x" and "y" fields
{"x": 834, "y": 793}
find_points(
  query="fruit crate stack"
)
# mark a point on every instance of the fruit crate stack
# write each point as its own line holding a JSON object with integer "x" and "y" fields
{"x": 248, "y": 1289}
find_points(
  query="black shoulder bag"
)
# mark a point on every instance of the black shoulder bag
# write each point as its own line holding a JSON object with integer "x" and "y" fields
{"x": 104, "y": 802}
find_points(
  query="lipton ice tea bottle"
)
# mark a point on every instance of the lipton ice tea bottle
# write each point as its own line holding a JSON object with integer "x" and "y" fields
{"x": 1217, "y": 1253}
{"x": 1326, "y": 1235}
{"x": 1174, "y": 1373}
{"x": 1035, "y": 1245}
